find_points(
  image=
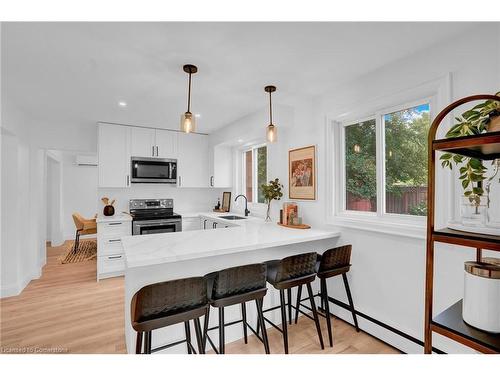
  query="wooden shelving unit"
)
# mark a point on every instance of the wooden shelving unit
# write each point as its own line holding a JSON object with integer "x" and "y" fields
{"x": 449, "y": 323}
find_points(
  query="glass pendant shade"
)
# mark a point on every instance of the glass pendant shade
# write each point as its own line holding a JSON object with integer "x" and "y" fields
{"x": 272, "y": 133}
{"x": 188, "y": 123}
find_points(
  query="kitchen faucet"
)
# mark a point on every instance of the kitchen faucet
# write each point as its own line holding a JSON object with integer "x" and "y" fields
{"x": 247, "y": 211}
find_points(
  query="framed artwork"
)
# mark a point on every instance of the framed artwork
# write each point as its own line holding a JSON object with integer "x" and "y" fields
{"x": 302, "y": 173}
{"x": 226, "y": 201}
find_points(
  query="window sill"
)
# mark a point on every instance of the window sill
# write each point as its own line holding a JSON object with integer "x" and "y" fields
{"x": 376, "y": 224}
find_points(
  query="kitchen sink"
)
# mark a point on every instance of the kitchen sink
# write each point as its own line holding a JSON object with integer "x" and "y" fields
{"x": 232, "y": 217}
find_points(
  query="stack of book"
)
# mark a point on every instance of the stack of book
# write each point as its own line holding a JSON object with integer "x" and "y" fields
{"x": 290, "y": 214}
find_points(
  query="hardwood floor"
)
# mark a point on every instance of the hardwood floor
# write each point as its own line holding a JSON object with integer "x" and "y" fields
{"x": 67, "y": 311}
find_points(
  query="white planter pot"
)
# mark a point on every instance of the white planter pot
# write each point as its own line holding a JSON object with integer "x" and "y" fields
{"x": 481, "y": 305}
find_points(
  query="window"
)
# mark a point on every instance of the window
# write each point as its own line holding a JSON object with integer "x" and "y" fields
{"x": 406, "y": 160}
{"x": 360, "y": 167}
{"x": 254, "y": 173}
{"x": 385, "y": 162}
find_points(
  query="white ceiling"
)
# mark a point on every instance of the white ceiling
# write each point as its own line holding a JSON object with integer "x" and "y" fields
{"x": 63, "y": 72}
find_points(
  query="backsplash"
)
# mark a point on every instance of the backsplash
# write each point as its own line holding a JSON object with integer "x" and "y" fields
{"x": 185, "y": 199}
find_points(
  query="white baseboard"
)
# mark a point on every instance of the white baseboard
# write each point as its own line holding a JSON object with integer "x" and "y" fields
{"x": 12, "y": 290}
{"x": 9, "y": 290}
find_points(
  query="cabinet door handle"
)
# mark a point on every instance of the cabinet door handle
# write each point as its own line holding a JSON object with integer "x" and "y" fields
{"x": 128, "y": 180}
{"x": 115, "y": 257}
{"x": 180, "y": 181}
{"x": 156, "y": 150}
{"x": 115, "y": 223}
{"x": 152, "y": 150}
{"x": 212, "y": 181}
{"x": 119, "y": 240}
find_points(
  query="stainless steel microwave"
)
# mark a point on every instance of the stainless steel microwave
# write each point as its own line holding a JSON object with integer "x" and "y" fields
{"x": 153, "y": 170}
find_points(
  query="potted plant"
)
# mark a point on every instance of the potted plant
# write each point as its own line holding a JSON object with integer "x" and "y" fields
{"x": 484, "y": 117}
{"x": 271, "y": 192}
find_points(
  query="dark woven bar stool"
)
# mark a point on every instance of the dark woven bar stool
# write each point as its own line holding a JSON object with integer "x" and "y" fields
{"x": 332, "y": 263}
{"x": 167, "y": 303}
{"x": 285, "y": 274}
{"x": 232, "y": 286}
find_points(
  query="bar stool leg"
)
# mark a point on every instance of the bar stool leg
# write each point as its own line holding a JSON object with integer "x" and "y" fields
{"x": 289, "y": 299}
{"x": 315, "y": 314}
{"x": 351, "y": 303}
{"x": 260, "y": 320}
{"x": 284, "y": 320}
{"x": 199, "y": 336}
{"x": 188, "y": 336}
{"x": 221, "y": 330}
{"x": 205, "y": 328}
{"x": 147, "y": 342}
{"x": 299, "y": 296}
{"x": 244, "y": 318}
{"x": 138, "y": 343}
{"x": 324, "y": 298}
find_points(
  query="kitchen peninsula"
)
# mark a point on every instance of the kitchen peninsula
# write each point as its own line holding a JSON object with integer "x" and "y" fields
{"x": 161, "y": 257}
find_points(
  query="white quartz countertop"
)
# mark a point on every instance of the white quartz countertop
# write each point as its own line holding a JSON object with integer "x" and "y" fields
{"x": 249, "y": 234}
{"x": 121, "y": 216}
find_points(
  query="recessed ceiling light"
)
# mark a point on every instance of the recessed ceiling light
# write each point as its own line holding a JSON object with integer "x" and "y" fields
{"x": 240, "y": 140}
{"x": 197, "y": 115}
{"x": 122, "y": 104}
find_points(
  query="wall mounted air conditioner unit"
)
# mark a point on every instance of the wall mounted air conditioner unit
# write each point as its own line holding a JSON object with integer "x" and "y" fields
{"x": 86, "y": 160}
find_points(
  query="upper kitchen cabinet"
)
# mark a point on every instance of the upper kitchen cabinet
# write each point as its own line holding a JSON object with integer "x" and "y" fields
{"x": 166, "y": 144}
{"x": 192, "y": 161}
{"x": 142, "y": 142}
{"x": 221, "y": 160}
{"x": 114, "y": 155}
{"x": 147, "y": 142}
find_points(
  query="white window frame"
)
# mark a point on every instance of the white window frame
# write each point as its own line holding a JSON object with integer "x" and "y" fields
{"x": 242, "y": 155}
{"x": 438, "y": 94}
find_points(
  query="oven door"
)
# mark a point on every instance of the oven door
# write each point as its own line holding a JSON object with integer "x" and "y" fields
{"x": 153, "y": 170}
{"x": 156, "y": 226}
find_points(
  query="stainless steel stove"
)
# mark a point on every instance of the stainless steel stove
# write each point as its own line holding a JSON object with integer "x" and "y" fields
{"x": 151, "y": 216}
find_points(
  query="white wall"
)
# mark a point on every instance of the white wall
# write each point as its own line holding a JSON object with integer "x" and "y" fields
{"x": 79, "y": 191}
{"x": 387, "y": 277}
{"x": 18, "y": 252}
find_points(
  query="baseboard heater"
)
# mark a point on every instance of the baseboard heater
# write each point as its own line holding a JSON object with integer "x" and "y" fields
{"x": 382, "y": 324}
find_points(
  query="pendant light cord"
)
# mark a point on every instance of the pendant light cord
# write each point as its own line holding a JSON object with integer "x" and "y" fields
{"x": 189, "y": 93}
{"x": 270, "y": 109}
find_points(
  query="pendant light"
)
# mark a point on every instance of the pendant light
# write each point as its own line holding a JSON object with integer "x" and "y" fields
{"x": 188, "y": 122}
{"x": 272, "y": 130}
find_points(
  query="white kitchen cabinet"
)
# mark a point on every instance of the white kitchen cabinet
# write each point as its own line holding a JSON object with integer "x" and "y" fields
{"x": 210, "y": 223}
{"x": 220, "y": 166}
{"x": 142, "y": 142}
{"x": 190, "y": 223}
{"x": 166, "y": 144}
{"x": 147, "y": 142}
{"x": 114, "y": 155}
{"x": 192, "y": 161}
{"x": 110, "y": 254}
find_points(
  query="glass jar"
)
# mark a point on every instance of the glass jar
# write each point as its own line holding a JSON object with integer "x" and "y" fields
{"x": 474, "y": 213}
{"x": 493, "y": 193}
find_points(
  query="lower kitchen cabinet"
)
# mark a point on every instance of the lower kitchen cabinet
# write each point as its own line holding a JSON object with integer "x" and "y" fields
{"x": 110, "y": 255}
{"x": 210, "y": 223}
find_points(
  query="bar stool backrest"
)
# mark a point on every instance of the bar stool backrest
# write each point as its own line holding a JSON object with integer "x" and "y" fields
{"x": 168, "y": 298}
{"x": 238, "y": 280}
{"x": 296, "y": 266}
{"x": 336, "y": 258}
